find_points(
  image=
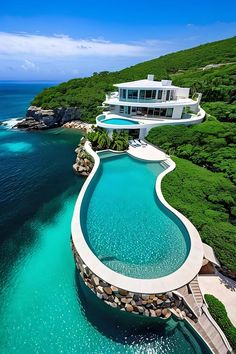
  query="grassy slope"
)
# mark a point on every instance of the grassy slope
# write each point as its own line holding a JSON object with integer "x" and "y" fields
{"x": 193, "y": 190}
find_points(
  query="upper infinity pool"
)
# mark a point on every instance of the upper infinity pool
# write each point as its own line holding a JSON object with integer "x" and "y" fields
{"x": 125, "y": 224}
{"x": 119, "y": 121}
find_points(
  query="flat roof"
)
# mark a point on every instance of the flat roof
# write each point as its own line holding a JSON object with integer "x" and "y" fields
{"x": 145, "y": 84}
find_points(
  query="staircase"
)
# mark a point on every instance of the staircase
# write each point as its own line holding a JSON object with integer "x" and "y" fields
{"x": 210, "y": 334}
{"x": 195, "y": 290}
{"x": 205, "y": 325}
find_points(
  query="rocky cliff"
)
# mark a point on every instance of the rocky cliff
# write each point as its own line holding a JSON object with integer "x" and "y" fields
{"x": 38, "y": 118}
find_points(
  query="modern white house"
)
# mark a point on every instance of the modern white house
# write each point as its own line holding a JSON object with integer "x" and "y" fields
{"x": 143, "y": 104}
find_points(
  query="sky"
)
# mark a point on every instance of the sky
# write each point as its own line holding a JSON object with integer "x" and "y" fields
{"x": 59, "y": 40}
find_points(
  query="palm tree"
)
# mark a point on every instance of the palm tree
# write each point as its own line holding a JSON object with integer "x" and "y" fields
{"x": 104, "y": 141}
{"x": 120, "y": 141}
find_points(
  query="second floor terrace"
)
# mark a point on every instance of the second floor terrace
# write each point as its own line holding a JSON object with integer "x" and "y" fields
{"x": 147, "y": 91}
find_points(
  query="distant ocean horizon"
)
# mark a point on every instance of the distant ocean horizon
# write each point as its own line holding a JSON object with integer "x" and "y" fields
{"x": 16, "y": 96}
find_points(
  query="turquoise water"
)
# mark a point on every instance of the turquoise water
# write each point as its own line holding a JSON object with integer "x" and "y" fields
{"x": 125, "y": 224}
{"x": 118, "y": 121}
{"x": 44, "y": 307}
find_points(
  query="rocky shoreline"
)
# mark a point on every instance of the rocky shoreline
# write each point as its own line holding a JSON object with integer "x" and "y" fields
{"x": 38, "y": 118}
{"x": 78, "y": 125}
{"x": 84, "y": 162}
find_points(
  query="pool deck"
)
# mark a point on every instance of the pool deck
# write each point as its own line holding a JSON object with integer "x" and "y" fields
{"x": 148, "y": 153}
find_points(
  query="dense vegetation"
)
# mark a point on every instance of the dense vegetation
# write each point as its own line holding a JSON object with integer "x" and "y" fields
{"x": 211, "y": 144}
{"x": 184, "y": 67}
{"x": 218, "y": 312}
{"x": 218, "y": 88}
{"x": 207, "y": 199}
{"x": 100, "y": 140}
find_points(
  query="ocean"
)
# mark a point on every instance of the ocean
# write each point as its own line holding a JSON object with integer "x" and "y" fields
{"x": 44, "y": 306}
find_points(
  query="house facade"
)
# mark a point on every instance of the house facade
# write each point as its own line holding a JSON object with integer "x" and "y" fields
{"x": 148, "y": 103}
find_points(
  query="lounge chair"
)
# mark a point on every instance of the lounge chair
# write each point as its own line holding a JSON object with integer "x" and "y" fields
{"x": 132, "y": 143}
{"x": 142, "y": 142}
{"x": 137, "y": 142}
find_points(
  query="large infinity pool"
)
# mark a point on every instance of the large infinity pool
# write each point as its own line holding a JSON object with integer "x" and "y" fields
{"x": 126, "y": 225}
{"x": 119, "y": 121}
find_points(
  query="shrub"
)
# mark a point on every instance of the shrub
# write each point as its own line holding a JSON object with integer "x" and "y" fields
{"x": 218, "y": 312}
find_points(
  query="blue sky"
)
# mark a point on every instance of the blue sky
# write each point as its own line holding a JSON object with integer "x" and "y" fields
{"x": 58, "y": 40}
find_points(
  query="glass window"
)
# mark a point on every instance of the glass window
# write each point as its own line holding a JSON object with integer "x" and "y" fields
{"x": 150, "y": 111}
{"x": 172, "y": 94}
{"x": 169, "y": 112}
{"x": 159, "y": 95}
{"x": 147, "y": 94}
{"x": 122, "y": 94}
{"x": 157, "y": 112}
{"x": 163, "y": 112}
{"x": 167, "y": 95}
{"x": 132, "y": 94}
{"x": 121, "y": 109}
{"x": 142, "y": 94}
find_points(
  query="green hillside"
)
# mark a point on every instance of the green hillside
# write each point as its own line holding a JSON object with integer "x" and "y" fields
{"x": 203, "y": 186}
{"x": 184, "y": 67}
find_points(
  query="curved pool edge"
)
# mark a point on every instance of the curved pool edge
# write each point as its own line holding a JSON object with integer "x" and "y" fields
{"x": 173, "y": 281}
{"x": 145, "y": 123}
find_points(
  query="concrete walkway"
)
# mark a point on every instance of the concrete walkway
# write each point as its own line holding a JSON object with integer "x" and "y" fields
{"x": 223, "y": 289}
{"x": 147, "y": 152}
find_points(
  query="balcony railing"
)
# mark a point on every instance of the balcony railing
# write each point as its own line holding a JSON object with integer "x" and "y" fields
{"x": 147, "y": 100}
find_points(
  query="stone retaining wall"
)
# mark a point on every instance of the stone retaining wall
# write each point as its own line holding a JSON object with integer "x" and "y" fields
{"x": 150, "y": 305}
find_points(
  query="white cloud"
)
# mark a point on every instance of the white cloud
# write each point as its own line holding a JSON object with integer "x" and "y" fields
{"x": 29, "y": 65}
{"x": 23, "y": 44}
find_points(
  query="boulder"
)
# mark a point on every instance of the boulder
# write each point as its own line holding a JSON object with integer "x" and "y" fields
{"x": 123, "y": 292}
{"x": 126, "y": 300}
{"x": 114, "y": 289}
{"x": 107, "y": 290}
{"x": 129, "y": 308}
{"x": 140, "y": 309}
{"x": 168, "y": 314}
{"x": 145, "y": 297}
{"x": 95, "y": 280}
{"x": 164, "y": 312}
{"x": 152, "y": 313}
{"x": 158, "y": 312}
{"x": 99, "y": 289}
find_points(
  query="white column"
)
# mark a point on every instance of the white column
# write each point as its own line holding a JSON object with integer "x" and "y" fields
{"x": 177, "y": 112}
{"x": 142, "y": 133}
